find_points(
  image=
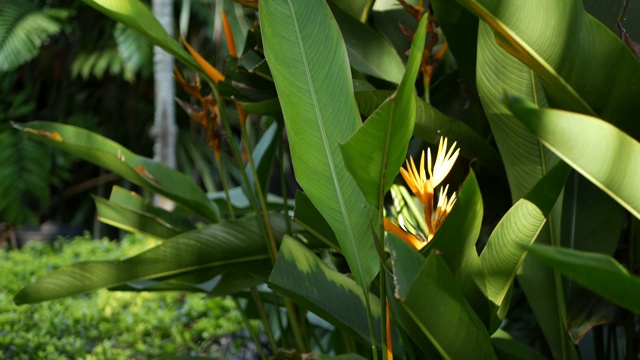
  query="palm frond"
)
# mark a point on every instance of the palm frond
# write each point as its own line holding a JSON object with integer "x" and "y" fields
{"x": 24, "y": 28}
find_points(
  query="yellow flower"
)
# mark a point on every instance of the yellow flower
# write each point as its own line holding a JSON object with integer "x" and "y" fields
{"x": 423, "y": 188}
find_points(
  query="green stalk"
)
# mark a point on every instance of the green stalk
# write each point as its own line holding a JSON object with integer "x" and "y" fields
{"x": 225, "y": 187}
{"x": 383, "y": 311}
{"x": 295, "y": 326}
{"x": 247, "y": 325}
{"x": 238, "y": 156}
{"x": 263, "y": 315}
{"x": 283, "y": 187}
{"x": 273, "y": 249}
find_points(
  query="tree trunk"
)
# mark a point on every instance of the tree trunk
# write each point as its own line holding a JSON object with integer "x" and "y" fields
{"x": 164, "y": 129}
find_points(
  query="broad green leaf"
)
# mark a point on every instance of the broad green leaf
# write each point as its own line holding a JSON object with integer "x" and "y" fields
{"x": 135, "y": 50}
{"x": 503, "y": 254}
{"x": 264, "y": 154}
{"x": 131, "y": 220}
{"x": 358, "y": 9}
{"x": 588, "y": 79}
{"x": 369, "y": 52}
{"x": 599, "y": 273}
{"x": 509, "y": 348}
{"x": 376, "y": 151}
{"x": 591, "y": 220}
{"x": 301, "y": 275}
{"x": 219, "y": 245}
{"x": 269, "y": 107}
{"x": 307, "y": 216}
{"x": 218, "y": 281}
{"x": 435, "y": 301}
{"x": 138, "y": 17}
{"x": 386, "y": 15}
{"x": 431, "y": 124}
{"x": 112, "y": 156}
{"x": 456, "y": 240}
{"x": 526, "y": 161}
{"x": 129, "y": 211}
{"x": 308, "y": 60}
{"x": 460, "y": 28}
{"x": 586, "y": 310}
{"x": 599, "y": 151}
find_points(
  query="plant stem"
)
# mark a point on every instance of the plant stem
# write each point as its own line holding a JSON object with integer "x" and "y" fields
{"x": 273, "y": 249}
{"x": 295, "y": 326}
{"x": 247, "y": 325}
{"x": 225, "y": 187}
{"x": 265, "y": 320}
{"x": 283, "y": 185}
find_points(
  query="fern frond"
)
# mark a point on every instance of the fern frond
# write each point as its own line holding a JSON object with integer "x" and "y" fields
{"x": 23, "y": 30}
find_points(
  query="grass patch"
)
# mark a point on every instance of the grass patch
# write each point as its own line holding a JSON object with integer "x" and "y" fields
{"x": 103, "y": 324}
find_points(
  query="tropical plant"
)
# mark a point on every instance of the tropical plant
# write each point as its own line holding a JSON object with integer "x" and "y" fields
{"x": 517, "y": 86}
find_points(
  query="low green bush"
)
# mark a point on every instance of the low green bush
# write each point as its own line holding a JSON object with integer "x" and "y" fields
{"x": 103, "y": 324}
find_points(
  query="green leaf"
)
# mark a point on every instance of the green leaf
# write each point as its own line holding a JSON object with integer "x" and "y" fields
{"x": 308, "y": 60}
{"x": 358, "y": 9}
{"x": 431, "y": 124}
{"x": 599, "y": 151}
{"x": 503, "y": 254}
{"x": 24, "y": 28}
{"x": 456, "y": 240}
{"x": 116, "y": 158}
{"x": 460, "y": 28}
{"x": 599, "y": 273}
{"x": 526, "y": 161}
{"x": 591, "y": 220}
{"x": 219, "y": 245}
{"x": 509, "y": 348}
{"x": 376, "y": 151}
{"x": 263, "y": 155}
{"x": 135, "y": 50}
{"x": 138, "y": 17}
{"x": 128, "y": 211}
{"x": 369, "y": 52}
{"x": 588, "y": 81}
{"x": 311, "y": 220}
{"x": 301, "y": 275}
{"x": 218, "y": 281}
{"x": 434, "y": 300}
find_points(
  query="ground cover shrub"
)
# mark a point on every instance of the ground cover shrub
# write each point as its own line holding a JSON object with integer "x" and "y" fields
{"x": 103, "y": 324}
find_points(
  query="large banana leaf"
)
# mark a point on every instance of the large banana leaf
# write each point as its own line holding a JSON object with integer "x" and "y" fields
{"x": 368, "y": 51}
{"x": 588, "y": 81}
{"x": 431, "y": 124}
{"x": 596, "y": 149}
{"x": 461, "y": 30}
{"x": 219, "y": 245}
{"x": 599, "y": 273}
{"x": 376, "y": 151}
{"x": 138, "y": 17}
{"x": 301, "y": 275}
{"x": 140, "y": 170}
{"x": 308, "y": 60}
{"x": 128, "y": 211}
{"x": 434, "y": 301}
{"x": 502, "y": 256}
{"x": 526, "y": 161}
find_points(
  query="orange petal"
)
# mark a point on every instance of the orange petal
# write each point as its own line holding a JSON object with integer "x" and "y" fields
{"x": 409, "y": 238}
{"x": 228, "y": 34}
{"x": 211, "y": 72}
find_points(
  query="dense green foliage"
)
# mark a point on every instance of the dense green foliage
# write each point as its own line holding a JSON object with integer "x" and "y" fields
{"x": 103, "y": 324}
